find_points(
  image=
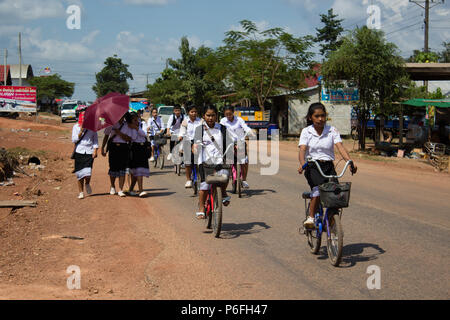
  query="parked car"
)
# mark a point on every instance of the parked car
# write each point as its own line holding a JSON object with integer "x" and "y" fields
{"x": 68, "y": 110}
{"x": 166, "y": 111}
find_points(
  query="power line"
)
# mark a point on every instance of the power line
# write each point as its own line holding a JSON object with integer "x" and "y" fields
{"x": 412, "y": 25}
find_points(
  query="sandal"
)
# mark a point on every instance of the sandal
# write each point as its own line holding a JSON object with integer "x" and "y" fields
{"x": 200, "y": 215}
{"x": 226, "y": 201}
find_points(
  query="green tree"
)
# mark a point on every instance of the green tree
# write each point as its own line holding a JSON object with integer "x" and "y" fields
{"x": 257, "y": 64}
{"x": 329, "y": 35}
{"x": 186, "y": 79}
{"x": 52, "y": 87}
{"x": 445, "y": 54}
{"x": 377, "y": 69}
{"x": 423, "y": 57}
{"x": 113, "y": 77}
{"x": 167, "y": 89}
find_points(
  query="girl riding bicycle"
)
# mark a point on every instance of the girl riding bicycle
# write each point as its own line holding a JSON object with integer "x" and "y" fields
{"x": 210, "y": 143}
{"x": 187, "y": 132}
{"x": 238, "y": 130}
{"x": 318, "y": 141}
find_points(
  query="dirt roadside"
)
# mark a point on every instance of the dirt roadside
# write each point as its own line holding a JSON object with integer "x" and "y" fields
{"x": 124, "y": 250}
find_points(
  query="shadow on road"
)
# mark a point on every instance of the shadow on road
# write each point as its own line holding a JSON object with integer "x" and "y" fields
{"x": 99, "y": 195}
{"x": 354, "y": 253}
{"x": 256, "y": 192}
{"x": 234, "y": 230}
{"x": 158, "y": 194}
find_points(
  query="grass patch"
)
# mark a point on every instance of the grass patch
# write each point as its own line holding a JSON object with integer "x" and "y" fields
{"x": 374, "y": 157}
{"x": 20, "y": 151}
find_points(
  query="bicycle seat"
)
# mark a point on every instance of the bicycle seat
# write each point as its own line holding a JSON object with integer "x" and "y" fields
{"x": 306, "y": 195}
{"x": 217, "y": 179}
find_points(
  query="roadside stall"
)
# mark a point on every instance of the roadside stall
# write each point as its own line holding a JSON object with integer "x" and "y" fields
{"x": 432, "y": 130}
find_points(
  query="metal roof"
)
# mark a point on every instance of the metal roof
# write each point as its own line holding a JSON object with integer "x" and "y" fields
{"x": 428, "y": 71}
{"x": 27, "y": 71}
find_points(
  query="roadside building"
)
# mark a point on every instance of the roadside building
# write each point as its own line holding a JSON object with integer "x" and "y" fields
{"x": 2, "y": 75}
{"x": 27, "y": 74}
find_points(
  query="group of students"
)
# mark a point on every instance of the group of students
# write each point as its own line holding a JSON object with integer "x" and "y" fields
{"x": 207, "y": 139}
{"x": 126, "y": 144}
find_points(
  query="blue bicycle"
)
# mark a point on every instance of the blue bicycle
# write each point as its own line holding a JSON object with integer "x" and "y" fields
{"x": 334, "y": 196}
{"x": 195, "y": 179}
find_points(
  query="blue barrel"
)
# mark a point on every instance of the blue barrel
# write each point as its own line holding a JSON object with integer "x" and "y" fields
{"x": 271, "y": 127}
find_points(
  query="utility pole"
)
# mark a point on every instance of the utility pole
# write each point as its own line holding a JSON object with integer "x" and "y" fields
{"x": 147, "y": 75}
{"x": 426, "y": 21}
{"x": 20, "y": 59}
{"x": 5, "y": 76}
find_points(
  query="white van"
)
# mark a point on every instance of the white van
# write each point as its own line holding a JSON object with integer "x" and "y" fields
{"x": 68, "y": 110}
{"x": 166, "y": 111}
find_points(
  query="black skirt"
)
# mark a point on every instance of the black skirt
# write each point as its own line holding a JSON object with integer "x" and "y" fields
{"x": 83, "y": 161}
{"x": 119, "y": 154}
{"x": 313, "y": 175}
{"x": 138, "y": 156}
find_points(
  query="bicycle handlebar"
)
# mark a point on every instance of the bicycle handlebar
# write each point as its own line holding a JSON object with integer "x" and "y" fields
{"x": 310, "y": 159}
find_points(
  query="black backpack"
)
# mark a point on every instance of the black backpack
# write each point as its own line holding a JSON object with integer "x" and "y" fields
{"x": 175, "y": 119}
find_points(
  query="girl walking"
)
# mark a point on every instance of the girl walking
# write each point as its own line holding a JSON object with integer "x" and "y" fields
{"x": 86, "y": 146}
{"x": 139, "y": 167}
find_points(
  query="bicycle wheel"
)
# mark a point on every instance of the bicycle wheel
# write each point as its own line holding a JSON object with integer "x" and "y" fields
{"x": 239, "y": 180}
{"x": 161, "y": 159}
{"x": 335, "y": 244}
{"x": 155, "y": 163}
{"x": 217, "y": 212}
{"x": 194, "y": 179}
{"x": 234, "y": 178}
{"x": 208, "y": 212}
{"x": 314, "y": 240}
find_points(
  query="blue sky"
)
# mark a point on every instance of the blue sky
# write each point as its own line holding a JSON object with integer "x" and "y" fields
{"x": 144, "y": 33}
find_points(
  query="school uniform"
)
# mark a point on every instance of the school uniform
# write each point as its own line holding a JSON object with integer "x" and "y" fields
{"x": 238, "y": 130}
{"x": 211, "y": 157}
{"x": 83, "y": 152}
{"x": 119, "y": 150}
{"x": 138, "y": 161}
{"x": 174, "y": 125}
{"x": 187, "y": 131}
{"x": 320, "y": 148}
{"x": 155, "y": 126}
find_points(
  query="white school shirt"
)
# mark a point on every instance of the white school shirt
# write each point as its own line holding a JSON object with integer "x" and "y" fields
{"x": 176, "y": 127}
{"x": 209, "y": 152}
{"x": 153, "y": 127}
{"x": 125, "y": 130}
{"x": 188, "y": 131}
{"x": 88, "y": 143}
{"x": 237, "y": 128}
{"x": 320, "y": 147}
{"x": 141, "y": 134}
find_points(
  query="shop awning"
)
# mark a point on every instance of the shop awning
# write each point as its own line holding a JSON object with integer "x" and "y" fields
{"x": 438, "y": 103}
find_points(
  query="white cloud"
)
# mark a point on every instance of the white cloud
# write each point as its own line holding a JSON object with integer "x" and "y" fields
{"x": 51, "y": 49}
{"x": 30, "y": 9}
{"x": 261, "y": 25}
{"x": 90, "y": 38}
{"x": 196, "y": 42}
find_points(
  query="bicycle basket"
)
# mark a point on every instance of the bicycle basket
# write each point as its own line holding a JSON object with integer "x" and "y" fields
{"x": 335, "y": 195}
{"x": 159, "y": 140}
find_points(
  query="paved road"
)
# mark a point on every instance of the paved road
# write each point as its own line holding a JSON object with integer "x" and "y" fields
{"x": 396, "y": 221}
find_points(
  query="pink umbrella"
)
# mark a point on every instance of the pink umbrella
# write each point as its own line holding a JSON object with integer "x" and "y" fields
{"x": 106, "y": 111}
